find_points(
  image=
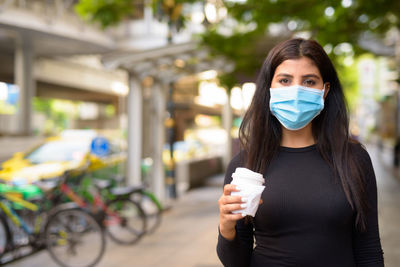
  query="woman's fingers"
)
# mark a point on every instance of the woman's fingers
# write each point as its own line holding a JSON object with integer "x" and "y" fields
{"x": 231, "y": 207}
{"x": 224, "y": 200}
{"x": 228, "y": 188}
{"x": 228, "y": 204}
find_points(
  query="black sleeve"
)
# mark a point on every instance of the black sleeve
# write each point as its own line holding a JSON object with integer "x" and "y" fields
{"x": 367, "y": 245}
{"x": 237, "y": 252}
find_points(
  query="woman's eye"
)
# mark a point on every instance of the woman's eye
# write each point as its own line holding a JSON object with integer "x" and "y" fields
{"x": 284, "y": 81}
{"x": 309, "y": 82}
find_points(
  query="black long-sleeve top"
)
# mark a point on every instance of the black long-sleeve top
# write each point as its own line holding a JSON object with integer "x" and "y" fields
{"x": 305, "y": 219}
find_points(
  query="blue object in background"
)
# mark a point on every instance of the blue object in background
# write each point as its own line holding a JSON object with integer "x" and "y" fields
{"x": 9, "y": 94}
{"x": 13, "y": 94}
{"x": 100, "y": 147}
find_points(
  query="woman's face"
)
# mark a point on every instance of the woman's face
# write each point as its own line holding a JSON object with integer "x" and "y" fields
{"x": 300, "y": 71}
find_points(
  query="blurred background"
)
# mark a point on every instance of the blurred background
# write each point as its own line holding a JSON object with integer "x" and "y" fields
{"x": 155, "y": 91}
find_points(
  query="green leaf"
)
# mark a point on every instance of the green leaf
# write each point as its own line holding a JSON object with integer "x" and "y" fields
{"x": 105, "y": 12}
{"x": 345, "y": 25}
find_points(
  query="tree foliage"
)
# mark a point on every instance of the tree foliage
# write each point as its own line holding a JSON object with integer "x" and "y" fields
{"x": 170, "y": 11}
{"x": 247, "y": 35}
{"x": 111, "y": 12}
{"x": 331, "y": 23}
{"x": 105, "y": 12}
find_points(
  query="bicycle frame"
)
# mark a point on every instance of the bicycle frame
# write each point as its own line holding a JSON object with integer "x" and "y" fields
{"x": 40, "y": 228}
{"x": 108, "y": 195}
{"x": 97, "y": 203}
{"x": 15, "y": 218}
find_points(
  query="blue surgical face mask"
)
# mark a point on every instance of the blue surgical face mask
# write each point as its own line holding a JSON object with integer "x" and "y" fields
{"x": 296, "y": 106}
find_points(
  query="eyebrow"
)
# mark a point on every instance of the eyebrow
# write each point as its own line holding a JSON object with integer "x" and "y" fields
{"x": 303, "y": 76}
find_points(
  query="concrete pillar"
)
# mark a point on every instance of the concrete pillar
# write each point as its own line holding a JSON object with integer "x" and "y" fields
{"x": 148, "y": 16}
{"x": 227, "y": 125}
{"x": 134, "y": 130}
{"x": 159, "y": 97}
{"x": 397, "y": 93}
{"x": 122, "y": 112}
{"x": 397, "y": 101}
{"x": 23, "y": 76}
{"x": 397, "y": 49}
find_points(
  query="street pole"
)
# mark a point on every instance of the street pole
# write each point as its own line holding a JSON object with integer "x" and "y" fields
{"x": 397, "y": 59}
{"x": 170, "y": 125}
{"x": 396, "y": 150}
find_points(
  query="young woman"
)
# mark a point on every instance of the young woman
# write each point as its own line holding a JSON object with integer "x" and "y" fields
{"x": 319, "y": 207}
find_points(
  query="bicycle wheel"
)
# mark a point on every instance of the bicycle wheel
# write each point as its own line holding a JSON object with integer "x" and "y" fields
{"x": 125, "y": 221}
{"x": 5, "y": 235}
{"x": 152, "y": 210}
{"x": 74, "y": 238}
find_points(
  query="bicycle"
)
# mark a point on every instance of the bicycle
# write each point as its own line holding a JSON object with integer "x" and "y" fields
{"x": 123, "y": 218}
{"x": 72, "y": 236}
{"x": 151, "y": 206}
{"x": 148, "y": 202}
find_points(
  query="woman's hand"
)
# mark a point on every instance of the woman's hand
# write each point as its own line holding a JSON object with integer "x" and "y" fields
{"x": 227, "y": 204}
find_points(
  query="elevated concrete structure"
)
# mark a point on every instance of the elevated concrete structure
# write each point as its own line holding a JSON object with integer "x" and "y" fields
{"x": 166, "y": 65}
{"x": 32, "y": 32}
{"x": 39, "y": 38}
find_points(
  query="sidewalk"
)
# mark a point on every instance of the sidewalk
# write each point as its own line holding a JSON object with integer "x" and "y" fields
{"x": 388, "y": 182}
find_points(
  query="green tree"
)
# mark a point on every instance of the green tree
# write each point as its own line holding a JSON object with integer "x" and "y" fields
{"x": 247, "y": 35}
{"x": 112, "y": 12}
{"x": 171, "y": 12}
{"x": 337, "y": 25}
{"x": 105, "y": 12}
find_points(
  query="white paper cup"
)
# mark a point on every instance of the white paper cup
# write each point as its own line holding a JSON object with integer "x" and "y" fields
{"x": 251, "y": 187}
{"x": 246, "y": 176}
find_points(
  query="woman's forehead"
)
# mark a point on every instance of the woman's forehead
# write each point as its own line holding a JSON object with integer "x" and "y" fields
{"x": 299, "y": 66}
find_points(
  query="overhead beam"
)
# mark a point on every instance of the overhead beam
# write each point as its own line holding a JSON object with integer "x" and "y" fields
{"x": 120, "y": 59}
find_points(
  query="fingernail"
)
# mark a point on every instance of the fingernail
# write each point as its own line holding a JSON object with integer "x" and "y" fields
{"x": 244, "y": 199}
{"x": 243, "y": 214}
{"x": 244, "y": 205}
{"x": 238, "y": 188}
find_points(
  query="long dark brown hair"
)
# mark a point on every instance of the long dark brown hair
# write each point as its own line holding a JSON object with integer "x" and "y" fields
{"x": 261, "y": 133}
